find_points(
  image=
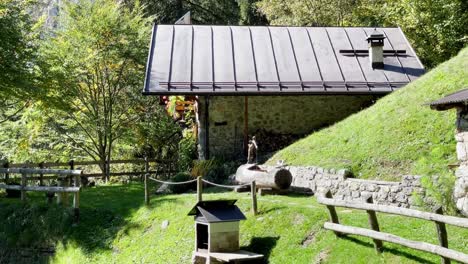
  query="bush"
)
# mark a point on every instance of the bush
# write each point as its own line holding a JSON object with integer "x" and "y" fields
{"x": 187, "y": 152}
{"x": 182, "y": 188}
{"x": 214, "y": 170}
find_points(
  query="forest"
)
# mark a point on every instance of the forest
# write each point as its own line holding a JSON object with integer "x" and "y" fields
{"x": 72, "y": 72}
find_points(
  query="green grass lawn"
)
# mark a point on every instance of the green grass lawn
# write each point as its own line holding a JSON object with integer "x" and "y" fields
{"x": 398, "y": 135}
{"x": 116, "y": 227}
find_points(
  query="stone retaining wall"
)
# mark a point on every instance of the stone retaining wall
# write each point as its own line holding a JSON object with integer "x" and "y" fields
{"x": 342, "y": 187}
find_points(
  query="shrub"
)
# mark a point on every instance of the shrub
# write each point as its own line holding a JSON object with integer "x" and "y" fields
{"x": 214, "y": 170}
{"x": 187, "y": 152}
{"x": 182, "y": 188}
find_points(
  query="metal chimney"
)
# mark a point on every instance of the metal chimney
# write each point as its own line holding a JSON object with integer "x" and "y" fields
{"x": 376, "y": 44}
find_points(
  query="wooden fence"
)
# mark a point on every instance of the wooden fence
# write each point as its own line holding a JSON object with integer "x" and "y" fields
{"x": 64, "y": 179}
{"x": 163, "y": 166}
{"x": 377, "y": 236}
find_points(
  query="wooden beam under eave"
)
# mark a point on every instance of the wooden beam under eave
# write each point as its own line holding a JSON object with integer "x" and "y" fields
{"x": 246, "y": 125}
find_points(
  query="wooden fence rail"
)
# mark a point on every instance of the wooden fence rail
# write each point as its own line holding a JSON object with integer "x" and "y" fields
{"x": 164, "y": 166}
{"x": 64, "y": 177}
{"x": 377, "y": 236}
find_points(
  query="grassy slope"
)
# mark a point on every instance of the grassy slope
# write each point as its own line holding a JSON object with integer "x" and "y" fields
{"x": 398, "y": 135}
{"x": 117, "y": 228}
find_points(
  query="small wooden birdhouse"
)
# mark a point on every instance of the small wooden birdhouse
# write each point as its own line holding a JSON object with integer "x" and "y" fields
{"x": 217, "y": 225}
{"x": 217, "y": 232}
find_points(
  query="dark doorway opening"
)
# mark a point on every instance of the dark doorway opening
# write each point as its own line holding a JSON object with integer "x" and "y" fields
{"x": 202, "y": 236}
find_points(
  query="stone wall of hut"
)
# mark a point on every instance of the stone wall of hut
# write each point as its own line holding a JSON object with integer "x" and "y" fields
{"x": 276, "y": 120}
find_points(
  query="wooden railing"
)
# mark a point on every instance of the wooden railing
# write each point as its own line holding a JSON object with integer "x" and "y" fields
{"x": 163, "y": 166}
{"x": 64, "y": 179}
{"x": 377, "y": 236}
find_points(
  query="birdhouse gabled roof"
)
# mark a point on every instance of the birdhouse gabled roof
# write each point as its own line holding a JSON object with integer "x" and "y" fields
{"x": 217, "y": 211}
{"x": 275, "y": 60}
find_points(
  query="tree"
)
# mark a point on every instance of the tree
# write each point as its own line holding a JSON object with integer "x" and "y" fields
{"x": 17, "y": 57}
{"x": 93, "y": 70}
{"x": 202, "y": 11}
{"x": 249, "y": 13}
{"x": 308, "y": 12}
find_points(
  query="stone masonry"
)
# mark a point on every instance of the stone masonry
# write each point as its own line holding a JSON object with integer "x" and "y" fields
{"x": 460, "y": 192}
{"x": 319, "y": 180}
{"x": 294, "y": 115}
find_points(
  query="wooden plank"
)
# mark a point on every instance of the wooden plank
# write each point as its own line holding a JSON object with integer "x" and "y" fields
{"x": 332, "y": 213}
{"x": 253, "y": 191}
{"x": 438, "y": 250}
{"x": 40, "y": 171}
{"x": 442, "y": 235}
{"x": 40, "y": 188}
{"x": 199, "y": 188}
{"x": 82, "y": 163}
{"x": 23, "y": 184}
{"x": 146, "y": 183}
{"x": 118, "y": 174}
{"x": 7, "y": 175}
{"x": 76, "y": 198}
{"x": 374, "y": 224}
{"x": 451, "y": 220}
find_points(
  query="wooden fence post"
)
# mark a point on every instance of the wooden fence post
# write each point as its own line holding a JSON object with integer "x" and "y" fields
{"x": 23, "y": 184}
{"x": 374, "y": 224}
{"x": 76, "y": 199}
{"x": 147, "y": 198}
{"x": 59, "y": 194}
{"x": 332, "y": 212}
{"x": 41, "y": 175}
{"x": 7, "y": 175}
{"x": 253, "y": 191}
{"x": 199, "y": 188}
{"x": 442, "y": 234}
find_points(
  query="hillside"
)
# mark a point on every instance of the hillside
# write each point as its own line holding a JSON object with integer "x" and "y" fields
{"x": 398, "y": 135}
{"x": 116, "y": 227}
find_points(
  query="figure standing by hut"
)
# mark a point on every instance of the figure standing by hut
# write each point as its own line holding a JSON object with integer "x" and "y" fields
{"x": 252, "y": 151}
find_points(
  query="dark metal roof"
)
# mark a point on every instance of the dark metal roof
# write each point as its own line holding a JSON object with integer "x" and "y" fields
{"x": 450, "y": 101}
{"x": 217, "y": 211}
{"x": 249, "y": 60}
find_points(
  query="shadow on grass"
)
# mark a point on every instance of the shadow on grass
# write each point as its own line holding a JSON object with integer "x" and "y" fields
{"x": 272, "y": 209}
{"x": 389, "y": 250}
{"x": 103, "y": 216}
{"x": 261, "y": 245}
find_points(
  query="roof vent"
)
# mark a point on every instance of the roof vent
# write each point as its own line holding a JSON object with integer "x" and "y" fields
{"x": 376, "y": 43}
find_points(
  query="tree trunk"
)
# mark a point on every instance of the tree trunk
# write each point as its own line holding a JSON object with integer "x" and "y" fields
{"x": 276, "y": 178}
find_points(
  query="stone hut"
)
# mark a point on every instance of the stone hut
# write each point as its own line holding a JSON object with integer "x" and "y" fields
{"x": 282, "y": 82}
{"x": 459, "y": 101}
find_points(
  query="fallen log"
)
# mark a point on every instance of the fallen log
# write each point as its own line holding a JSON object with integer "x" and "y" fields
{"x": 276, "y": 178}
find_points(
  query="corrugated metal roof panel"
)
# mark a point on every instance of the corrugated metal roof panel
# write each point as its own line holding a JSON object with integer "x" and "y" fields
{"x": 237, "y": 60}
{"x": 451, "y": 100}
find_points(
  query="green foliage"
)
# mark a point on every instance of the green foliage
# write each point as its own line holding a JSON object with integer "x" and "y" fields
{"x": 398, "y": 135}
{"x": 436, "y": 29}
{"x": 40, "y": 224}
{"x": 308, "y": 13}
{"x": 182, "y": 188}
{"x": 187, "y": 152}
{"x": 202, "y": 11}
{"x": 93, "y": 66}
{"x": 17, "y": 50}
{"x": 214, "y": 170}
{"x": 202, "y": 167}
{"x": 249, "y": 13}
